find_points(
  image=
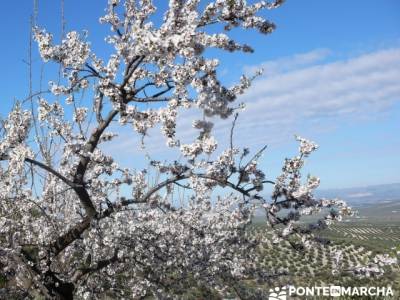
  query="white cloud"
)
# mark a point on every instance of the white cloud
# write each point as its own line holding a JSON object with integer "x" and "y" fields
{"x": 278, "y": 104}
{"x": 286, "y": 64}
{"x": 301, "y": 92}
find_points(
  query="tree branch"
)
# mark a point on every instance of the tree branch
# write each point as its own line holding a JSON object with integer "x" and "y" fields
{"x": 48, "y": 169}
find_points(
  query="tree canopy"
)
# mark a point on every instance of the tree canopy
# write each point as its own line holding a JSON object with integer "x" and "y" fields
{"x": 76, "y": 224}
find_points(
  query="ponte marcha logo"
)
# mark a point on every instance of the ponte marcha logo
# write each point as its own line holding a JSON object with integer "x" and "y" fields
{"x": 277, "y": 293}
{"x": 283, "y": 293}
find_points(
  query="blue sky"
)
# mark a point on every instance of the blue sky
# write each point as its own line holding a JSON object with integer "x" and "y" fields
{"x": 332, "y": 74}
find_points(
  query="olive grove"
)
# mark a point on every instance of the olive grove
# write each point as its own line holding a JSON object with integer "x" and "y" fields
{"x": 76, "y": 224}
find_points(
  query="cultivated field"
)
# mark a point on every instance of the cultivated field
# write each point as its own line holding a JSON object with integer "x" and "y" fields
{"x": 375, "y": 230}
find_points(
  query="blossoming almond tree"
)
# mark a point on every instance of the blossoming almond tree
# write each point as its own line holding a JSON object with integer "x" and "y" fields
{"x": 68, "y": 228}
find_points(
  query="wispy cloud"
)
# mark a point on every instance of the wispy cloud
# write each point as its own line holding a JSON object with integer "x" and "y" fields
{"x": 303, "y": 91}
{"x": 289, "y": 63}
{"x": 281, "y": 101}
{"x": 360, "y": 195}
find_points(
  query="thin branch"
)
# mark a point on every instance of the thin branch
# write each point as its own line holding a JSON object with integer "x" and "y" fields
{"x": 99, "y": 265}
{"x": 255, "y": 157}
{"x": 48, "y": 169}
{"x": 254, "y": 187}
{"x": 131, "y": 68}
{"x": 232, "y": 129}
{"x": 150, "y": 99}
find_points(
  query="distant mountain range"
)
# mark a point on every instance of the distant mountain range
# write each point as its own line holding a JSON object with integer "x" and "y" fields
{"x": 364, "y": 196}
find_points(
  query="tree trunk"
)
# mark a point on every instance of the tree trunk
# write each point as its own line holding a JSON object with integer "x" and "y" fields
{"x": 58, "y": 289}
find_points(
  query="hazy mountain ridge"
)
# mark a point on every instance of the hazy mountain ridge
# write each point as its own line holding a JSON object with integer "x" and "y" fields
{"x": 366, "y": 195}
